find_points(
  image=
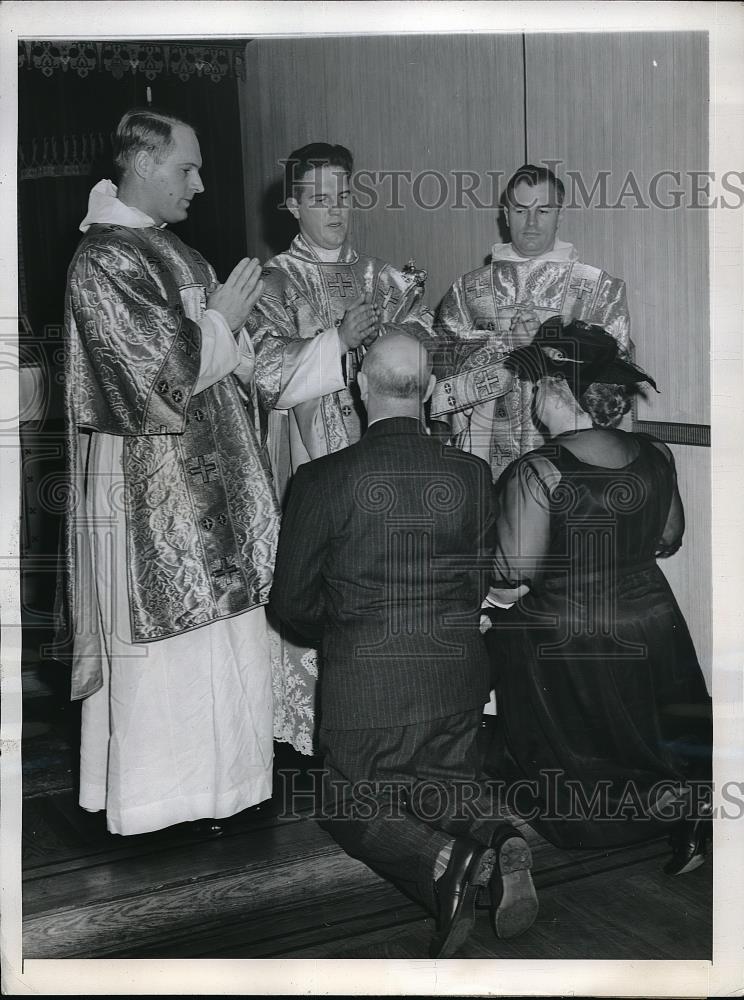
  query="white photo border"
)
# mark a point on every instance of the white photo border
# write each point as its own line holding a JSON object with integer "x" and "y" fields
{"x": 126, "y": 19}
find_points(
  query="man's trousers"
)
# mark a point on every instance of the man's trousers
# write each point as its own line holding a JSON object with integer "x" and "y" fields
{"x": 394, "y": 797}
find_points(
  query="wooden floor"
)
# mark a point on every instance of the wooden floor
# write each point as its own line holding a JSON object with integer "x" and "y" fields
{"x": 276, "y": 887}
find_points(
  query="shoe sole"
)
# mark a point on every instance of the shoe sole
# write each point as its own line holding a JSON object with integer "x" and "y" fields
{"x": 462, "y": 923}
{"x": 518, "y": 906}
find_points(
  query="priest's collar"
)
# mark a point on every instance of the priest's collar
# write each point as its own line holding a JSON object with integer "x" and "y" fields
{"x": 560, "y": 252}
{"x": 327, "y": 256}
{"x": 104, "y": 207}
{"x": 301, "y": 247}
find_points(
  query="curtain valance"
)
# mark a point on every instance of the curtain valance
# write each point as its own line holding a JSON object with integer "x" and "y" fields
{"x": 152, "y": 60}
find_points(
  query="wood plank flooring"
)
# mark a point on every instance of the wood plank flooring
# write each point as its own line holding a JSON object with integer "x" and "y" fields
{"x": 275, "y": 887}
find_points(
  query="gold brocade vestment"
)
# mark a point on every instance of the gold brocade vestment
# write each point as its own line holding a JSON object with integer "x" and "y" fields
{"x": 297, "y": 345}
{"x": 494, "y": 309}
{"x": 305, "y": 297}
{"x": 201, "y": 515}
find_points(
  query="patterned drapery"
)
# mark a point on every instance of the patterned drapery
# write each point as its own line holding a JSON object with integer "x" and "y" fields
{"x": 70, "y": 155}
{"x": 212, "y": 62}
{"x": 70, "y": 97}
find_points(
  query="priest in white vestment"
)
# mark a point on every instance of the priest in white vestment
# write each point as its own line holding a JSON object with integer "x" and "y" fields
{"x": 173, "y": 518}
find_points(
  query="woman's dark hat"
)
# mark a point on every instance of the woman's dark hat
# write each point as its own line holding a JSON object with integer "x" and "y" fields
{"x": 580, "y": 352}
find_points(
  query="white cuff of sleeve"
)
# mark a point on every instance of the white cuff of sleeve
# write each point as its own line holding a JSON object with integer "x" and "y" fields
{"x": 490, "y": 603}
{"x": 311, "y": 369}
{"x": 220, "y": 354}
{"x": 247, "y": 364}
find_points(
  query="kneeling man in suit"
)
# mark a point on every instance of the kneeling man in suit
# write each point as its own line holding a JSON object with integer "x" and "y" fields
{"x": 384, "y": 551}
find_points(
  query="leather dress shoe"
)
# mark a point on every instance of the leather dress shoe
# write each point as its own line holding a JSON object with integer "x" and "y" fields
{"x": 469, "y": 869}
{"x": 514, "y": 903}
{"x": 689, "y": 846}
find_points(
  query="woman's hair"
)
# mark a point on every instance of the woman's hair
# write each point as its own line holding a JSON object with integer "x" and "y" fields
{"x": 605, "y": 403}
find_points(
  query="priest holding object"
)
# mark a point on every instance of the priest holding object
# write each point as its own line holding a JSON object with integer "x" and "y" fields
{"x": 323, "y": 299}
{"x": 324, "y": 304}
{"x": 497, "y": 308}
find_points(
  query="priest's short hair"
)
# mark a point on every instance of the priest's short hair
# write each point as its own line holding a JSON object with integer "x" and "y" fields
{"x": 144, "y": 129}
{"x": 315, "y": 154}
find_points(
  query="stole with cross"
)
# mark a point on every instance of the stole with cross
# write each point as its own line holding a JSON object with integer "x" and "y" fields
{"x": 344, "y": 285}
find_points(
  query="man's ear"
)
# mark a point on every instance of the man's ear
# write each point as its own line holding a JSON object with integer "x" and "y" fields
{"x": 430, "y": 390}
{"x": 294, "y": 207}
{"x": 142, "y": 163}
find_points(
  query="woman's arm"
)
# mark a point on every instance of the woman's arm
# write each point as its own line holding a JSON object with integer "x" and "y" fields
{"x": 674, "y": 527}
{"x": 523, "y": 524}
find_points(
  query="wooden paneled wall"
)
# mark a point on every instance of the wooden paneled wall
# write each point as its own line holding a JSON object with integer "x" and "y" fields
{"x": 634, "y": 105}
{"x": 630, "y": 105}
{"x": 439, "y": 103}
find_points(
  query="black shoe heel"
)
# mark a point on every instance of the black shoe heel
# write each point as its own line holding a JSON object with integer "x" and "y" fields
{"x": 471, "y": 868}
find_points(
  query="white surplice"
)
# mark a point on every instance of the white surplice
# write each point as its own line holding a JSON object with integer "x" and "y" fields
{"x": 182, "y": 728}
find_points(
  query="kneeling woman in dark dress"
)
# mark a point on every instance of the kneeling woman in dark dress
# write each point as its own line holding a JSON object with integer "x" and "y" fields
{"x": 597, "y": 679}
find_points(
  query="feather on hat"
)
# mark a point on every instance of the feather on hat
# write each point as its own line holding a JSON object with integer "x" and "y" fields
{"x": 582, "y": 353}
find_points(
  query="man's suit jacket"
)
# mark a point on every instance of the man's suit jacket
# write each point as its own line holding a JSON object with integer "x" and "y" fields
{"x": 385, "y": 548}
